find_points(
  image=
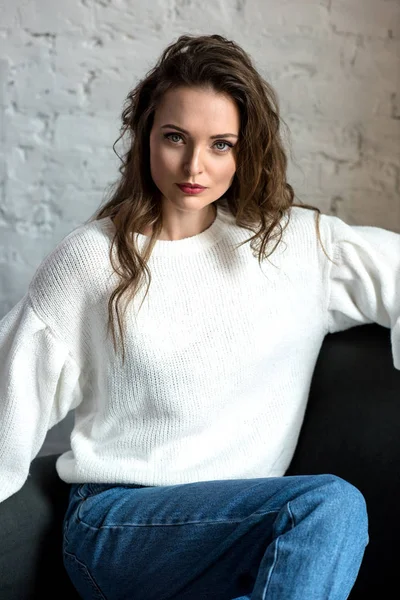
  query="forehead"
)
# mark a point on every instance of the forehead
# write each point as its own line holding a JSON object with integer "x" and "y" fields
{"x": 194, "y": 107}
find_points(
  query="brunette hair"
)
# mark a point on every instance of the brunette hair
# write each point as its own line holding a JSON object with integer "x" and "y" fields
{"x": 259, "y": 196}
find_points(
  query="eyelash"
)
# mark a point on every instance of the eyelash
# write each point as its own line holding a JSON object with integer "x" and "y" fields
{"x": 167, "y": 136}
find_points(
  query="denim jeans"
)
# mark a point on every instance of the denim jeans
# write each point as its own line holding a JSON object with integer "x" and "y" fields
{"x": 281, "y": 538}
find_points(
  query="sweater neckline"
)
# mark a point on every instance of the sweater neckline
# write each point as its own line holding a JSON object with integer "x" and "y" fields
{"x": 190, "y": 245}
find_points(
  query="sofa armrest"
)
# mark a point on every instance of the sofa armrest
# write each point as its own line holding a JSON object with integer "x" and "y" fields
{"x": 351, "y": 429}
{"x": 31, "y": 537}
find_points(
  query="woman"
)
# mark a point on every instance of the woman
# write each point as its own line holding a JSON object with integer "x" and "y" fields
{"x": 185, "y": 425}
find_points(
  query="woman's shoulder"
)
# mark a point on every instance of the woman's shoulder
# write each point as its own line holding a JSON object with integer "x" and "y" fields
{"x": 77, "y": 260}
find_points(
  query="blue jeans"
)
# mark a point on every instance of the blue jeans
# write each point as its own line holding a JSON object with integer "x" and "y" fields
{"x": 281, "y": 538}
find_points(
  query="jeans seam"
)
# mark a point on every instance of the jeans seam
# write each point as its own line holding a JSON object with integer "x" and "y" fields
{"x": 291, "y": 515}
{"x": 88, "y": 576}
{"x": 179, "y": 524}
{"x": 271, "y": 571}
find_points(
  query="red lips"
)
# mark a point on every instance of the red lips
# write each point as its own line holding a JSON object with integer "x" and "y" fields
{"x": 192, "y": 185}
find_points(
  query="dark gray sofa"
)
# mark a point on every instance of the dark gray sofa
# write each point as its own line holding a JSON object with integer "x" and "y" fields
{"x": 351, "y": 429}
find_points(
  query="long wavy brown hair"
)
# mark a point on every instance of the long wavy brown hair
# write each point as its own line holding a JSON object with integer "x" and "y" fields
{"x": 259, "y": 196}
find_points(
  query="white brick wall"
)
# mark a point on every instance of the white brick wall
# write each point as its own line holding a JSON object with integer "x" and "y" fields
{"x": 65, "y": 68}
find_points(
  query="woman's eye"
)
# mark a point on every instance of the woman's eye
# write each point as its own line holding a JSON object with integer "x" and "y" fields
{"x": 171, "y": 136}
{"x": 228, "y": 146}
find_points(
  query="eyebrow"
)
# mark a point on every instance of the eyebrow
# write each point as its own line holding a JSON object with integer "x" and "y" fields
{"x": 212, "y": 137}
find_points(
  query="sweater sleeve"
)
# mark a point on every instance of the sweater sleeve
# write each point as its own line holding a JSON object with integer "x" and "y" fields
{"x": 39, "y": 384}
{"x": 365, "y": 280}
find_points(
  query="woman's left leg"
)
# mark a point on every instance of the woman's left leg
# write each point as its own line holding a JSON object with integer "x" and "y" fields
{"x": 288, "y": 538}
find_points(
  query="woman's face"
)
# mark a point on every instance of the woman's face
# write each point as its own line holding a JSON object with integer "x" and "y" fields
{"x": 192, "y": 141}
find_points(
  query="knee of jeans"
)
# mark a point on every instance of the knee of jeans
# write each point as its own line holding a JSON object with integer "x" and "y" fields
{"x": 343, "y": 496}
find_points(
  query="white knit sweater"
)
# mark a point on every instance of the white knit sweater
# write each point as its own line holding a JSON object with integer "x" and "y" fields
{"x": 219, "y": 359}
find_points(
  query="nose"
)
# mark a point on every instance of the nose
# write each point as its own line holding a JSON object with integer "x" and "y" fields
{"x": 193, "y": 162}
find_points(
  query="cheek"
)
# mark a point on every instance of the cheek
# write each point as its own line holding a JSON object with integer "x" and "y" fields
{"x": 229, "y": 170}
{"x": 161, "y": 161}
{"x": 156, "y": 164}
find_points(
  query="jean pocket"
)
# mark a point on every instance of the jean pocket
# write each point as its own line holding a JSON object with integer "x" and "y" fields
{"x": 86, "y": 490}
{"x": 91, "y": 489}
{"x": 81, "y": 578}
